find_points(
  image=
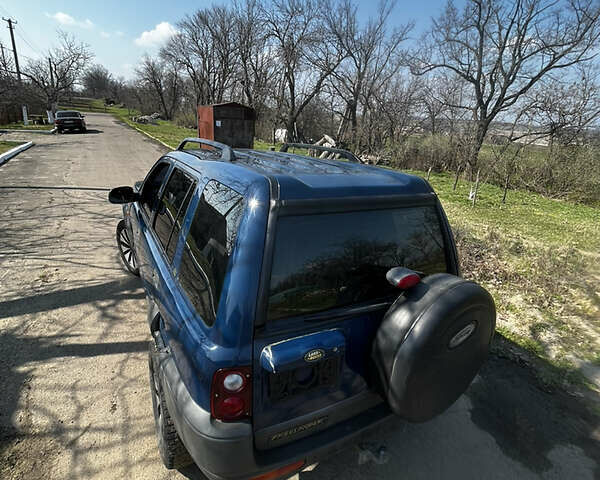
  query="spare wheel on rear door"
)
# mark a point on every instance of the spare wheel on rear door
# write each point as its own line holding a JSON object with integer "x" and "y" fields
{"x": 431, "y": 344}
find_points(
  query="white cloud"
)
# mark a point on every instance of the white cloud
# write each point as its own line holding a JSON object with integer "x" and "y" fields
{"x": 155, "y": 37}
{"x": 105, "y": 34}
{"x": 66, "y": 19}
{"x": 119, "y": 33}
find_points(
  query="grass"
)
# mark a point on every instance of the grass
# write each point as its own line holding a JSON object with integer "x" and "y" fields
{"x": 525, "y": 214}
{"x": 20, "y": 126}
{"x": 540, "y": 259}
{"x": 6, "y": 146}
{"x": 169, "y": 133}
{"x": 82, "y": 104}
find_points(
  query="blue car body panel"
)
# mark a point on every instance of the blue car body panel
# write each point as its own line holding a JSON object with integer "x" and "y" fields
{"x": 289, "y": 354}
{"x": 241, "y": 335}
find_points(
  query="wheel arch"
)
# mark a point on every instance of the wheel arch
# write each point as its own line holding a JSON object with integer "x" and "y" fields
{"x": 154, "y": 317}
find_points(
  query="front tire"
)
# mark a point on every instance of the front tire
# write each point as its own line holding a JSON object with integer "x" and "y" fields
{"x": 126, "y": 249}
{"x": 172, "y": 450}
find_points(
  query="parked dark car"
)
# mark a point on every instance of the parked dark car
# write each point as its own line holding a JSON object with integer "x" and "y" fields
{"x": 70, "y": 120}
{"x": 294, "y": 303}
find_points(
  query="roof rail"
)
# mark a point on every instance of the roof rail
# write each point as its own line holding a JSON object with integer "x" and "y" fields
{"x": 343, "y": 153}
{"x": 226, "y": 151}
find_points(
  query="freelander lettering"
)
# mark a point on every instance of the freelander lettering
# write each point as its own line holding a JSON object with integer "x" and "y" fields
{"x": 299, "y": 428}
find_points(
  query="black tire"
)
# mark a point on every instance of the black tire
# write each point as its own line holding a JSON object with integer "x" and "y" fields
{"x": 172, "y": 450}
{"x": 431, "y": 343}
{"x": 126, "y": 249}
{"x": 83, "y": 130}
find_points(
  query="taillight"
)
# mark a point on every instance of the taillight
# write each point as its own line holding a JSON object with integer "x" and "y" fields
{"x": 231, "y": 394}
{"x": 402, "y": 278}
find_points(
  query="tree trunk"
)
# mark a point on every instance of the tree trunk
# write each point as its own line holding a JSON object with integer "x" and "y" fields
{"x": 342, "y": 127}
{"x": 457, "y": 176}
{"x": 352, "y": 107}
{"x": 473, "y": 158}
{"x": 506, "y": 182}
{"x": 474, "y": 190}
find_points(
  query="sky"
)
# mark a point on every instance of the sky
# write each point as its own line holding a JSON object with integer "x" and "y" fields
{"x": 121, "y": 32}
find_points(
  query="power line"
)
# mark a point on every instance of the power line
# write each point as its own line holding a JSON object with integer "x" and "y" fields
{"x": 5, "y": 11}
{"x": 26, "y": 57}
{"x": 30, "y": 43}
{"x": 36, "y": 50}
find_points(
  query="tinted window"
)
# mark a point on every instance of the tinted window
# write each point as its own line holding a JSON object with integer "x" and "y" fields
{"x": 67, "y": 114}
{"x": 172, "y": 207}
{"x": 208, "y": 247}
{"x": 339, "y": 259}
{"x": 152, "y": 184}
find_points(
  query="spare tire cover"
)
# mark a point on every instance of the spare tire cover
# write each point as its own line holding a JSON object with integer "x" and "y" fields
{"x": 431, "y": 343}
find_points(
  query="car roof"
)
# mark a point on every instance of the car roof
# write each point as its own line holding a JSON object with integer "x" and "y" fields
{"x": 303, "y": 177}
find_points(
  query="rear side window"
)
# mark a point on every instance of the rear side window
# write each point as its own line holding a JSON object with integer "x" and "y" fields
{"x": 208, "y": 246}
{"x": 172, "y": 207}
{"x": 340, "y": 259}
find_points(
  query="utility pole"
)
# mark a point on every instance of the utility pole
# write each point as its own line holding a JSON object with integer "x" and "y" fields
{"x": 11, "y": 24}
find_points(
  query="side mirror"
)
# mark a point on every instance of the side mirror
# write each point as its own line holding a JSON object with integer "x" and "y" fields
{"x": 123, "y": 195}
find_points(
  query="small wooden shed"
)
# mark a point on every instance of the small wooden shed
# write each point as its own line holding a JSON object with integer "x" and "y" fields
{"x": 230, "y": 123}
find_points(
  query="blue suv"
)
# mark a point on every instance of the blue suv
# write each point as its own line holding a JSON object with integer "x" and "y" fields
{"x": 294, "y": 302}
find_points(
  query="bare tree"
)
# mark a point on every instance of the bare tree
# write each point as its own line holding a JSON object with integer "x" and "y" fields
{"x": 503, "y": 48}
{"x": 432, "y": 103}
{"x": 60, "y": 71}
{"x": 97, "y": 80}
{"x": 117, "y": 87}
{"x": 393, "y": 112}
{"x": 257, "y": 71}
{"x": 565, "y": 108}
{"x": 207, "y": 50}
{"x": 163, "y": 81}
{"x": 371, "y": 55}
{"x": 306, "y": 51}
{"x": 8, "y": 80}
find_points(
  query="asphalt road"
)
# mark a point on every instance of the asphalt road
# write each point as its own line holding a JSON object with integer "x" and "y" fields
{"x": 75, "y": 402}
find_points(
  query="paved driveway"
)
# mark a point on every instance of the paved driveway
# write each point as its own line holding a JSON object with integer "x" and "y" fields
{"x": 75, "y": 402}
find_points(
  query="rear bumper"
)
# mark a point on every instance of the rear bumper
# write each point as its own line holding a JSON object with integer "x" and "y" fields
{"x": 225, "y": 451}
{"x": 70, "y": 126}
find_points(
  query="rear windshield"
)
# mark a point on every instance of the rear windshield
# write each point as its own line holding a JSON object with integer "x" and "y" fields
{"x": 66, "y": 114}
{"x": 333, "y": 260}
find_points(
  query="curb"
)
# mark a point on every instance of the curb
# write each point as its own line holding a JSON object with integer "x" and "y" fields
{"x": 43, "y": 132}
{"x": 6, "y": 156}
{"x": 152, "y": 137}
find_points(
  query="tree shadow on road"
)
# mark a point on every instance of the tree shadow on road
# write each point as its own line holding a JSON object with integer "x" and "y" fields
{"x": 66, "y": 305}
{"x": 115, "y": 290}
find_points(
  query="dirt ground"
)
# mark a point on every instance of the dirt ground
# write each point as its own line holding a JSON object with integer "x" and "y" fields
{"x": 75, "y": 402}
